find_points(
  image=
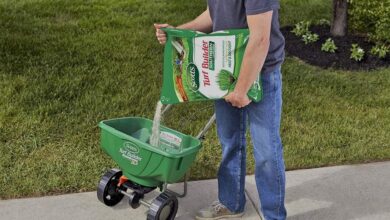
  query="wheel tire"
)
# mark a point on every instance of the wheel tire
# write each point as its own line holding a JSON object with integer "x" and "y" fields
{"x": 134, "y": 200}
{"x": 107, "y": 190}
{"x": 164, "y": 207}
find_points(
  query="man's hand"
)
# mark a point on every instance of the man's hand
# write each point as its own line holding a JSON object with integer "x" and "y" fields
{"x": 202, "y": 23}
{"x": 238, "y": 100}
{"x": 160, "y": 34}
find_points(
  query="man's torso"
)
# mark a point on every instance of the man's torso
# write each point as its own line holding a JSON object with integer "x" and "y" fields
{"x": 231, "y": 14}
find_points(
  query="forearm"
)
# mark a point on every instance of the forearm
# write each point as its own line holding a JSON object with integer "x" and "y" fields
{"x": 202, "y": 23}
{"x": 252, "y": 63}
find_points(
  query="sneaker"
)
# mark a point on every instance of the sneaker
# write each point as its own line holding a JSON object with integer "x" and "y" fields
{"x": 216, "y": 211}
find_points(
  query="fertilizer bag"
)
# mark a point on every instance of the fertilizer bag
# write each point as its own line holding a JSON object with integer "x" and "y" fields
{"x": 200, "y": 66}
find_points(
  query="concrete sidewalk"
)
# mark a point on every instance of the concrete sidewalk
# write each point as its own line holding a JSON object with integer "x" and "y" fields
{"x": 360, "y": 192}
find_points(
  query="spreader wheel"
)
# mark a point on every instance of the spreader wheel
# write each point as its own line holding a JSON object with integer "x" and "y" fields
{"x": 164, "y": 207}
{"x": 108, "y": 190}
{"x": 134, "y": 200}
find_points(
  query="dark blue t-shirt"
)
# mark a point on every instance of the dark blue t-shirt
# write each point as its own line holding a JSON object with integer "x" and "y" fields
{"x": 231, "y": 14}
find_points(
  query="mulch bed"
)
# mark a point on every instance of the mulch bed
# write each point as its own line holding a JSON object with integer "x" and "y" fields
{"x": 312, "y": 54}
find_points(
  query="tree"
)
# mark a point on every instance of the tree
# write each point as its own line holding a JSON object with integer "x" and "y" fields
{"x": 339, "y": 25}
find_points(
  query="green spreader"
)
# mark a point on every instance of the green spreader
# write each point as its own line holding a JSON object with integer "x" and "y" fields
{"x": 125, "y": 140}
{"x": 143, "y": 167}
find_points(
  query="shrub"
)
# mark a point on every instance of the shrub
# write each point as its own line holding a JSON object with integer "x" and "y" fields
{"x": 372, "y": 18}
{"x": 380, "y": 51}
{"x": 329, "y": 46}
{"x": 357, "y": 53}
{"x": 310, "y": 38}
{"x": 301, "y": 28}
{"x": 323, "y": 21}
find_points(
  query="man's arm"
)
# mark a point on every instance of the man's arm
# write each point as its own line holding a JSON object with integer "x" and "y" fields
{"x": 254, "y": 57}
{"x": 202, "y": 23}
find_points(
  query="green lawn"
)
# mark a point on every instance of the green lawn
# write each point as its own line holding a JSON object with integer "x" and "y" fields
{"x": 66, "y": 65}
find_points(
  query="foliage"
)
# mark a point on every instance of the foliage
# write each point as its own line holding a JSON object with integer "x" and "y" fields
{"x": 371, "y": 18}
{"x": 310, "y": 38}
{"x": 380, "y": 51}
{"x": 323, "y": 21}
{"x": 301, "y": 28}
{"x": 357, "y": 53}
{"x": 329, "y": 46}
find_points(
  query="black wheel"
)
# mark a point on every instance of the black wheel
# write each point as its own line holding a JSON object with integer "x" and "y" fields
{"x": 164, "y": 207}
{"x": 134, "y": 200}
{"x": 107, "y": 190}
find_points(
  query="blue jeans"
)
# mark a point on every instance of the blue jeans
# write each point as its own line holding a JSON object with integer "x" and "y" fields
{"x": 264, "y": 122}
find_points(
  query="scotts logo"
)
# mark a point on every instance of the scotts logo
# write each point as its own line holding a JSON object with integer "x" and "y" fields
{"x": 193, "y": 77}
{"x": 130, "y": 152}
{"x": 130, "y": 147}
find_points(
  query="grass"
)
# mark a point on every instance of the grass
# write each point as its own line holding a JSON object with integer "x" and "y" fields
{"x": 225, "y": 80}
{"x": 66, "y": 65}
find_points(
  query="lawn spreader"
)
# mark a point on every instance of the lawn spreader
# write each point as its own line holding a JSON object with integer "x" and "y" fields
{"x": 143, "y": 167}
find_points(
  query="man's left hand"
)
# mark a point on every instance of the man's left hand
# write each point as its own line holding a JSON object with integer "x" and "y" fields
{"x": 237, "y": 100}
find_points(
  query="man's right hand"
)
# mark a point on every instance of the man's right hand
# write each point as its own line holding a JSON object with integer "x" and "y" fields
{"x": 160, "y": 34}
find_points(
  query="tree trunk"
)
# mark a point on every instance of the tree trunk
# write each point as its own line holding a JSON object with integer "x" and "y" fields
{"x": 339, "y": 25}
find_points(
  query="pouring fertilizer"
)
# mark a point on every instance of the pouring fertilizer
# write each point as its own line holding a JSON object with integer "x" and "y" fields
{"x": 155, "y": 137}
{"x": 197, "y": 67}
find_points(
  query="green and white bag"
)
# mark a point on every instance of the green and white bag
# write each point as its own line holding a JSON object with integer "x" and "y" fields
{"x": 200, "y": 66}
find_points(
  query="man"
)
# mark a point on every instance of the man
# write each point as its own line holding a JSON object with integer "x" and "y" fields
{"x": 264, "y": 55}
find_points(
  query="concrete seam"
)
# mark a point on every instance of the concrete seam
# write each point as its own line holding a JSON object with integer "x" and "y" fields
{"x": 253, "y": 203}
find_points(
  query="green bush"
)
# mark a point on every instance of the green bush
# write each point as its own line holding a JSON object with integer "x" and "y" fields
{"x": 357, "y": 53}
{"x": 329, "y": 46}
{"x": 371, "y": 18}
{"x": 310, "y": 38}
{"x": 323, "y": 21}
{"x": 301, "y": 28}
{"x": 380, "y": 51}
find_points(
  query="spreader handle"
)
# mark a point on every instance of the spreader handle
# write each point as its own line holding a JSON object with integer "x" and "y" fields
{"x": 201, "y": 134}
{"x": 167, "y": 107}
{"x": 206, "y": 128}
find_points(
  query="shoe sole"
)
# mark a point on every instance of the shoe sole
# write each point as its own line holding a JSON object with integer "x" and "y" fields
{"x": 220, "y": 217}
